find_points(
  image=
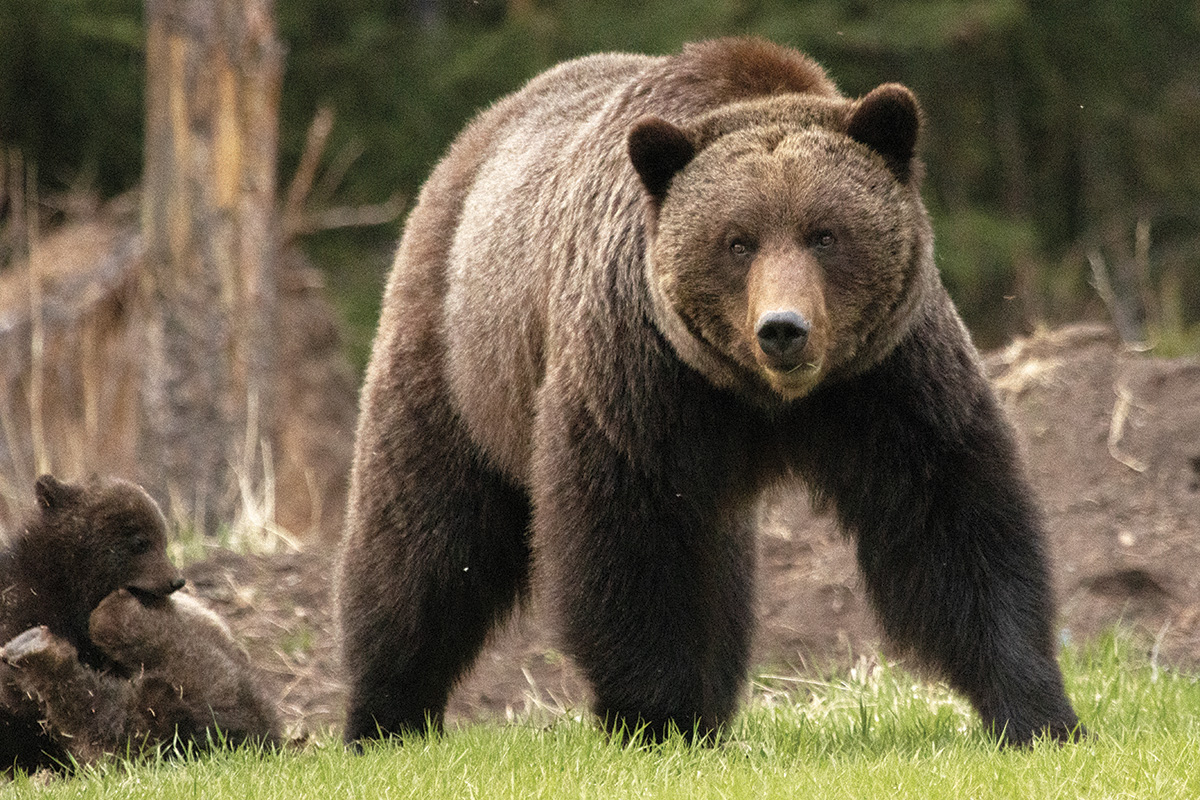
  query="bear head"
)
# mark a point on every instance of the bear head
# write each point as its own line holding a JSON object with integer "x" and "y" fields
{"x": 145, "y": 632}
{"x": 788, "y": 245}
{"x": 108, "y": 533}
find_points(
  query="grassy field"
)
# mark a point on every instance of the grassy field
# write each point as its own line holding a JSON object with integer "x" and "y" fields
{"x": 875, "y": 732}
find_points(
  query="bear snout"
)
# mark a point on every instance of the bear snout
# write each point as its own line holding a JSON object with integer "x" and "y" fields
{"x": 157, "y": 586}
{"x": 781, "y": 337}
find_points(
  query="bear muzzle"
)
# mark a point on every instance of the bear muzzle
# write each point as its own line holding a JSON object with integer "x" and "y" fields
{"x": 786, "y": 324}
{"x": 157, "y": 584}
{"x": 781, "y": 338}
{"x": 789, "y": 349}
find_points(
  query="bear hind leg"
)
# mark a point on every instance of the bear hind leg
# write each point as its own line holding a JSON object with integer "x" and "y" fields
{"x": 421, "y": 589}
{"x": 87, "y": 712}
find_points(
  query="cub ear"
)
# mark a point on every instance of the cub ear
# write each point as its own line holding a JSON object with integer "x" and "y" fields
{"x": 53, "y": 493}
{"x": 887, "y": 120}
{"x": 658, "y": 150}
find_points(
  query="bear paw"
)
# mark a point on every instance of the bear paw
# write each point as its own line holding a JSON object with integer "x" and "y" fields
{"x": 38, "y": 648}
{"x": 116, "y": 620}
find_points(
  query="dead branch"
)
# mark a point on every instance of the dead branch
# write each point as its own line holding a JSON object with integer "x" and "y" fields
{"x": 297, "y": 221}
{"x": 37, "y": 339}
{"x": 302, "y": 182}
{"x": 347, "y": 216}
{"x": 1116, "y": 428}
{"x": 335, "y": 173}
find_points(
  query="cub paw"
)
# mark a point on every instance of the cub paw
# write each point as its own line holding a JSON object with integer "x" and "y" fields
{"x": 37, "y": 647}
{"x": 115, "y": 621}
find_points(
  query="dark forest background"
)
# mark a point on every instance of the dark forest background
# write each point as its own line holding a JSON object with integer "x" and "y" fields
{"x": 1062, "y": 139}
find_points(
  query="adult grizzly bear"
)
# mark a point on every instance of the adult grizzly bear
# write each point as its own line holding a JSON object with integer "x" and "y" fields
{"x": 178, "y": 679}
{"x": 632, "y": 295}
{"x": 82, "y": 542}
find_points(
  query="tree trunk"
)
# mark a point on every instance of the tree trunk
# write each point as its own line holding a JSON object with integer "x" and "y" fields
{"x": 208, "y": 288}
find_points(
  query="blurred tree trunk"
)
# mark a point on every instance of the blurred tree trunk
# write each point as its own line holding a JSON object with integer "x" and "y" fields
{"x": 207, "y": 292}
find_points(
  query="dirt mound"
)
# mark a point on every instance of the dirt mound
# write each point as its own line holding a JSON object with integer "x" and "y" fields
{"x": 1113, "y": 443}
{"x": 1112, "y": 440}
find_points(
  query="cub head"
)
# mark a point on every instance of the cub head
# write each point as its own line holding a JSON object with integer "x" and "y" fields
{"x": 115, "y": 534}
{"x": 142, "y": 632}
{"x": 788, "y": 245}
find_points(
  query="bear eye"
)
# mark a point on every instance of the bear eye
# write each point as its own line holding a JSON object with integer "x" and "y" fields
{"x": 741, "y": 247}
{"x": 139, "y": 546}
{"x": 822, "y": 239}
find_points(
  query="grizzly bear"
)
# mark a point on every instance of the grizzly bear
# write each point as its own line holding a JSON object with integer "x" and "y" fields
{"x": 631, "y": 297}
{"x": 189, "y": 682}
{"x": 82, "y": 542}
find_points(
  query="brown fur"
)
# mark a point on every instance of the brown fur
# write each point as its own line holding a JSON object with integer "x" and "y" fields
{"x": 632, "y": 296}
{"x": 778, "y": 183}
{"x": 82, "y": 542}
{"x": 746, "y": 67}
{"x": 189, "y": 683}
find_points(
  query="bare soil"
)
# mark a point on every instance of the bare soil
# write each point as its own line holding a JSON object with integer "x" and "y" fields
{"x": 1112, "y": 442}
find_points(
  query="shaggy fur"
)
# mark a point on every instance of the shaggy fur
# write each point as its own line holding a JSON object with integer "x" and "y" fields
{"x": 631, "y": 297}
{"x": 82, "y": 542}
{"x": 189, "y": 684}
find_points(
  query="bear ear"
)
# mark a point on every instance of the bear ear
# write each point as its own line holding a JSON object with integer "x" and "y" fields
{"x": 887, "y": 120}
{"x": 53, "y": 493}
{"x": 658, "y": 150}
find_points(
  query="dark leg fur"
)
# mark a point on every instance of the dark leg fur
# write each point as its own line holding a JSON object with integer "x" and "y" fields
{"x": 25, "y": 746}
{"x": 436, "y": 556}
{"x": 651, "y": 570}
{"x": 922, "y": 469}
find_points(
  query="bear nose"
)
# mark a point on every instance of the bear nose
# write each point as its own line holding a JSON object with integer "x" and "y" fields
{"x": 782, "y": 335}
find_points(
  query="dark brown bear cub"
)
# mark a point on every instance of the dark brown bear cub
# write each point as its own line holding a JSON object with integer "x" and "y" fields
{"x": 632, "y": 296}
{"x": 81, "y": 543}
{"x": 189, "y": 684}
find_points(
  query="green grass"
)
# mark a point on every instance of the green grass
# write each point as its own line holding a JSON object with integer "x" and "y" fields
{"x": 875, "y": 732}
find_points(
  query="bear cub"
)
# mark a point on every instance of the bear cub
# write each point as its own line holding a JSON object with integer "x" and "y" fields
{"x": 94, "y": 638}
{"x": 190, "y": 683}
{"x": 632, "y": 297}
{"x": 82, "y": 542}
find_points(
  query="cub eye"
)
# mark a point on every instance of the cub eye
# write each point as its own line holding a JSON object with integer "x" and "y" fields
{"x": 139, "y": 546}
{"x": 822, "y": 239}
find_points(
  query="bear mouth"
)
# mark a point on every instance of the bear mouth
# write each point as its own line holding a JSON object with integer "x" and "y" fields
{"x": 142, "y": 596}
{"x": 148, "y": 597}
{"x": 797, "y": 367}
{"x": 802, "y": 367}
{"x": 791, "y": 382}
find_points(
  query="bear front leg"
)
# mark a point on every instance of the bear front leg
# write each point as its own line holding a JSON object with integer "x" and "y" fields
{"x": 650, "y": 570}
{"x": 922, "y": 469}
{"x": 435, "y": 555}
{"x": 85, "y": 711}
